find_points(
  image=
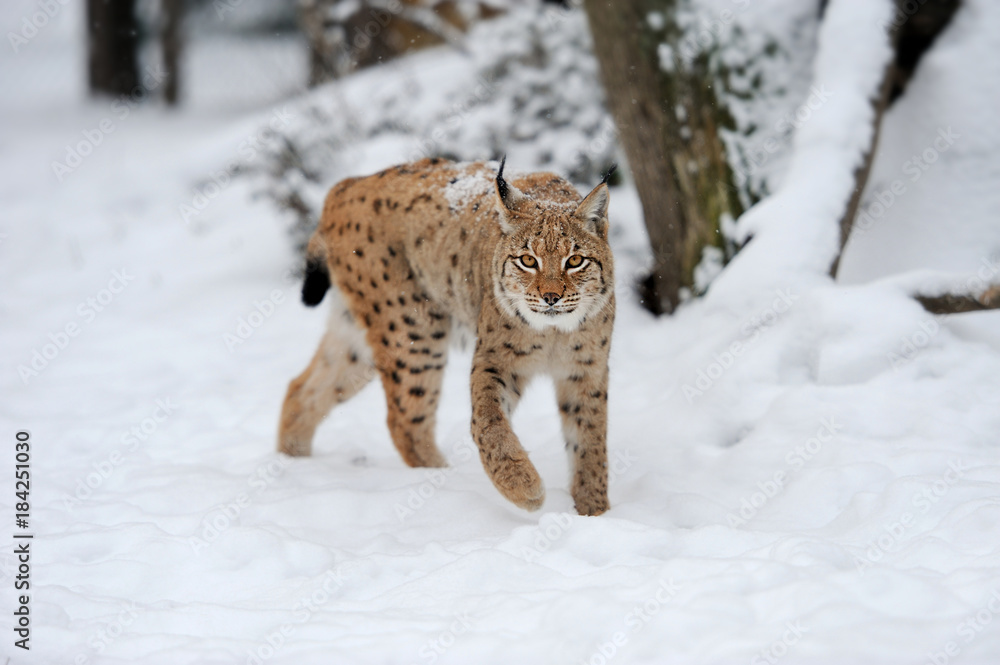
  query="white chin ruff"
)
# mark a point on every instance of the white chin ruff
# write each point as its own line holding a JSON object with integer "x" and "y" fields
{"x": 567, "y": 322}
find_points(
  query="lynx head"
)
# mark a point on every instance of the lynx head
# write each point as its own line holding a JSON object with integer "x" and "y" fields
{"x": 553, "y": 265}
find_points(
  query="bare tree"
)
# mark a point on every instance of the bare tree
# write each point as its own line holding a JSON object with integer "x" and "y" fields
{"x": 173, "y": 14}
{"x": 112, "y": 38}
{"x": 669, "y": 118}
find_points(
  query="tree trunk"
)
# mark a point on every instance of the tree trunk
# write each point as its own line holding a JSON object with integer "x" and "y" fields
{"x": 668, "y": 118}
{"x": 370, "y": 32}
{"x": 113, "y": 38}
{"x": 173, "y": 15}
{"x": 326, "y": 40}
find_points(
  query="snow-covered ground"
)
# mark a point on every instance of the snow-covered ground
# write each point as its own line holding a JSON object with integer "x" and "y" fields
{"x": 825, "y": 491}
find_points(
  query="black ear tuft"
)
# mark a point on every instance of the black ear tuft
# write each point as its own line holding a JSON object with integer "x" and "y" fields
{"x": 607, "y": 176}
{"x": 501, "y": 183}
{"x": 317, "y": 282}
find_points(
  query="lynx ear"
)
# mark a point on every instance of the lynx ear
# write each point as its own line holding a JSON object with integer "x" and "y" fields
{"x": 593, "y": 211}
{"x": 508, "y": 199}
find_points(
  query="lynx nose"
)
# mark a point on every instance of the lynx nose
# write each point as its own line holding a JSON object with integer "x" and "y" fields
{"x": 551, "y": 298}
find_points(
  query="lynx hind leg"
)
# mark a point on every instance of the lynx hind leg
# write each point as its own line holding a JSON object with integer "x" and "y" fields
{"x": 341, "y": 367}
{"x": 410, "y": 348}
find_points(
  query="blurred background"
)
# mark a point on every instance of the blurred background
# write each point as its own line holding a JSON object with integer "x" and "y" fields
{"x": 704, "y": 97}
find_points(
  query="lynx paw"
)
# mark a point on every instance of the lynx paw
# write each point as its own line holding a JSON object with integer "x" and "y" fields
{"x": 427, "y": 458}
{"x": 518, "y": 480}
{"x": 591, "y": 503}
{"x": 294, "y": 447}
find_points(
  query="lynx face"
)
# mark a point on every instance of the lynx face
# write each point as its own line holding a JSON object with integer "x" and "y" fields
{"x": 552, "y": 277}
{"x": 550, "y": 264}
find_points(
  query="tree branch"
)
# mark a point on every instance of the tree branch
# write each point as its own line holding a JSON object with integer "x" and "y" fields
{"x": 957, "y": 303}
{"x": 880, "y": 103}
{"x": 909, "y": 39}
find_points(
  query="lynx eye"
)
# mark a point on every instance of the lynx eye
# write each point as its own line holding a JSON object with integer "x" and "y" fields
{"x": 574, "y": 261}
{"x": 527, "y": 260}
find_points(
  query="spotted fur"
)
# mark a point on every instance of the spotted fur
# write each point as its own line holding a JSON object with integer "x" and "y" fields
{"x": 523, "y": 262}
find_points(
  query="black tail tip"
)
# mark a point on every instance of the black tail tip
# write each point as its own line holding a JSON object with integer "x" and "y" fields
{"x": 317, "y": 282}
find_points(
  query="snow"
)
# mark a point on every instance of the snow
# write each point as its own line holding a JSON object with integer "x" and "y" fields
{"x": 467, "y": 186}
{"x": 801, "y": 470}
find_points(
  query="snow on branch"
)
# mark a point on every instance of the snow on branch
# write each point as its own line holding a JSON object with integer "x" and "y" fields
{"x": 796, "y": 232}
{"x": 950, "y": 293}
{"x": 952, "y": 303}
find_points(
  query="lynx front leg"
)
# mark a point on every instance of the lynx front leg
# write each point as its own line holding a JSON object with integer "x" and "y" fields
{"x": 584, "y": 408}
{"x": 495, "y": 392}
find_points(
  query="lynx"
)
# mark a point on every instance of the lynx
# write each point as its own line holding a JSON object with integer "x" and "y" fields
{"x": 524, "y": 264}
